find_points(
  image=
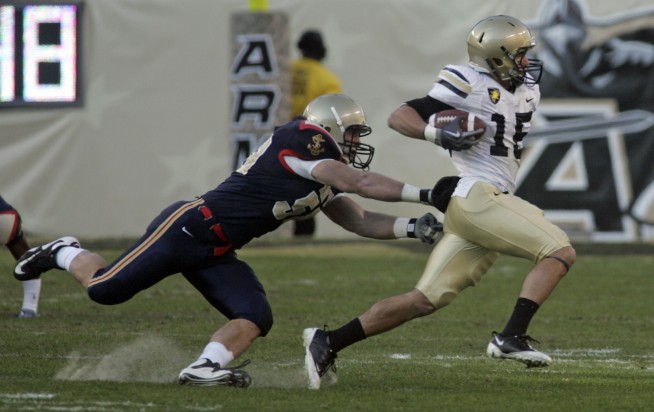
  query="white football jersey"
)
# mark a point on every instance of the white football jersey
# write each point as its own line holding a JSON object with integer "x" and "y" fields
{"x": 496, "y": 158}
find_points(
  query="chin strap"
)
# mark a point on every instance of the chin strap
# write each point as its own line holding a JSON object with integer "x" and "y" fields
{"x": 563, "y": 262}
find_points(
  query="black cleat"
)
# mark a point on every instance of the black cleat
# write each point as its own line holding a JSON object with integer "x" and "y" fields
{"x": 41, "y": 259}
{"x": 318, "y": 356}
{"x": 517, "y": 348}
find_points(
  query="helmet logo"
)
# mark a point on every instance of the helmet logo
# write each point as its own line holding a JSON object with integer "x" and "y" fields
{"x": 494, "y": 94}
{"x": 316, "y": 147}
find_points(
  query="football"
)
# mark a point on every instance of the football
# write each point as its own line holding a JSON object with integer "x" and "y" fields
{"x": 468, "y": 121}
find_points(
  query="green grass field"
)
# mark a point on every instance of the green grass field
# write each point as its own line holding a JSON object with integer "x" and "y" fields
{"x": 79, "y": 356}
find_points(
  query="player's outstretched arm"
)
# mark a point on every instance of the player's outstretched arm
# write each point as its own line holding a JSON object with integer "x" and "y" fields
{"x": 367, "y": 184}
{"x": 353, "y": 217}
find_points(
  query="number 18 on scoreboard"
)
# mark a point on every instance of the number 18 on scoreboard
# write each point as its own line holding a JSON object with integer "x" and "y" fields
{"x": 40, "y": 53}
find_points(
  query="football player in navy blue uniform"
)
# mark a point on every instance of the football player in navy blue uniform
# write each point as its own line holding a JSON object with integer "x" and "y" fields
{"x": 483, "y": 218}
{"x": 11, "y": 235}
{"x": 303, "y": 168}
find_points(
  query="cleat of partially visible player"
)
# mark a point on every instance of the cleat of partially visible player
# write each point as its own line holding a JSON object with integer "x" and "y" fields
{"x": 26, "y": 313}
{"x": 517, "y": 348}
{"x": 41, "y": 259}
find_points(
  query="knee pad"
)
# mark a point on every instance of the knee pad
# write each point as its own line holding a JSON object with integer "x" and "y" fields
{"x": 104, "y": 294}
{"x": 262, "y": 317}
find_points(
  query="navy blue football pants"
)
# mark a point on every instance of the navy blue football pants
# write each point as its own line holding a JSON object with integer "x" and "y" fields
{"x": 180, "y": 240}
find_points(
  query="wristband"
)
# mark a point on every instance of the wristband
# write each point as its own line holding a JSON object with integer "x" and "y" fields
{"x": 411, "y": 228}
{"x": 400, "y": 227}
{"x": 425, "y": 196}
{"x": 431, "y": 134}
{"x": 411, "y": 193}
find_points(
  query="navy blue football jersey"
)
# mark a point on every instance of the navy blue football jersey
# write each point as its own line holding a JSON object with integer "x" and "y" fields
{"x": 265, "y": 192}
{"x": 4, "y": 206}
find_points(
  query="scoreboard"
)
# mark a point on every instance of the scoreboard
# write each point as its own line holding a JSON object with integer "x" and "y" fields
{"x": 40, "y": 53}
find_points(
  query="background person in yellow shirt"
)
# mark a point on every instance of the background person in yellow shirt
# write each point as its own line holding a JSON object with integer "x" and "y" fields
{"x": 310, "y": 79}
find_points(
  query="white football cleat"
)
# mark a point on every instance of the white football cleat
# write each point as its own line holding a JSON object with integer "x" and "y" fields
{"x": 203, "y": 372}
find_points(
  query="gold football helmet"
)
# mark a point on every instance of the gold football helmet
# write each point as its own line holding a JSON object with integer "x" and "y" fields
{"x": 337, "y": 113}
{"x": 496, "y": 46}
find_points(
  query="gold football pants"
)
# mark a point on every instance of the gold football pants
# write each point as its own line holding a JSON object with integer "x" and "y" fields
{"x": 477, "y": 229}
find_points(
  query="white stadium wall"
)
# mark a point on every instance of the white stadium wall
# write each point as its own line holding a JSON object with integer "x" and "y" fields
{"x": 154, "y": 122}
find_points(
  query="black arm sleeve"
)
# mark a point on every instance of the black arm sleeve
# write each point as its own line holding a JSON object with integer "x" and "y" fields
{"x": 426, "y": 106}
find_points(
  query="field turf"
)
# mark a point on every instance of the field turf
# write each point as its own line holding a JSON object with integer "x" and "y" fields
{"x": 598, "y": 326}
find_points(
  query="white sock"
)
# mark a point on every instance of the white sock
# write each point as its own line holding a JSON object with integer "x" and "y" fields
{"x": 217, "y": 352}
{"x": 31, "y": 292}
{"x": 65, "y": 256}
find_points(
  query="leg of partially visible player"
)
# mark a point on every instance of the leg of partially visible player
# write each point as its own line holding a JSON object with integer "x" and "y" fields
{"x": 31, "y": 288}
{"x": 11, "y": 234}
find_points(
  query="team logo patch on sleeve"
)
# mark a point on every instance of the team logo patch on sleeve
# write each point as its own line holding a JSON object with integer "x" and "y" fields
{"x": 494, "y": 94}
{"x": 316, "y": 147}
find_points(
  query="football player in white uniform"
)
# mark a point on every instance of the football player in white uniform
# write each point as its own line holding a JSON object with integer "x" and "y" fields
{"x": 484, "y": 218}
